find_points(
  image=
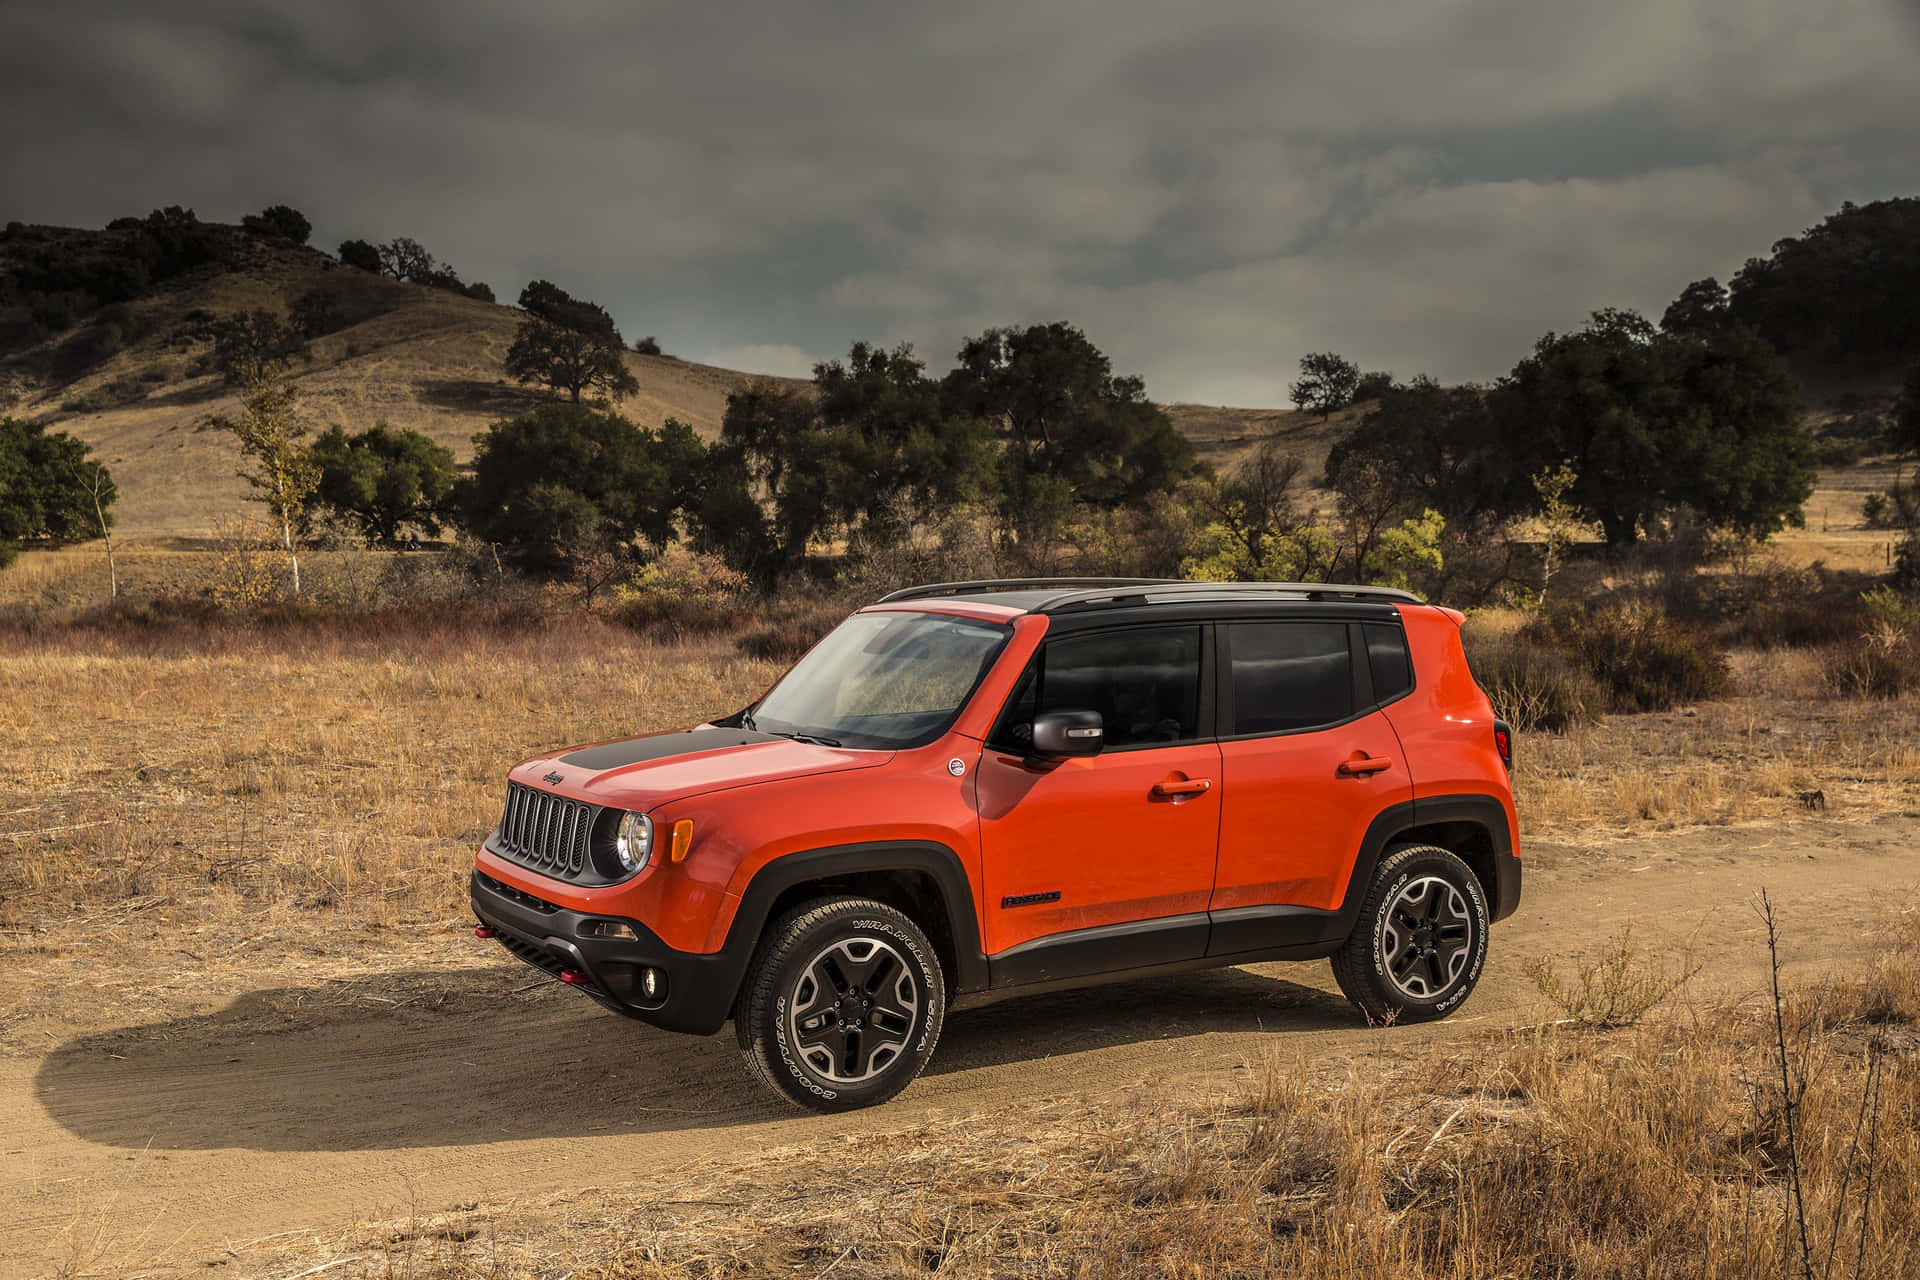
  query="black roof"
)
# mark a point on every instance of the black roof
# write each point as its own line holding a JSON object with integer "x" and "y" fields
{"x": 1076, "y": 595}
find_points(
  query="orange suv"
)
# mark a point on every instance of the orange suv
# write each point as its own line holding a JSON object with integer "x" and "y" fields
{"x": 974, "y": 790}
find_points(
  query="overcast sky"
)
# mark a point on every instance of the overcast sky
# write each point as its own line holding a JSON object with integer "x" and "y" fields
{"x": 1209, "y": 189}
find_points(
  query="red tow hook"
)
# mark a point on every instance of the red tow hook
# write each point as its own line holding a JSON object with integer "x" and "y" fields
{"x": 573, "y": 977}
{"x": 483, "y": 931}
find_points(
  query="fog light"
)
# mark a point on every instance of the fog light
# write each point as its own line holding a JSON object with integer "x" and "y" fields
{"x": 653, "y": 983}
{"x": 610, "y": 929}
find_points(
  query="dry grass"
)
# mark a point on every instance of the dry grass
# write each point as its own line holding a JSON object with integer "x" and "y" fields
{"x": 1682, "y": 1147}
{"x": 1760, "y": 754}
{"x": 286, "y": 792}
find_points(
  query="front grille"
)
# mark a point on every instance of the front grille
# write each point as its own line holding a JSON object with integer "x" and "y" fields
{"x": 546, "y": 832}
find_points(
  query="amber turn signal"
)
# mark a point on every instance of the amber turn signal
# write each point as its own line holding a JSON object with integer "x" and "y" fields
{"x": 682, "y": 838}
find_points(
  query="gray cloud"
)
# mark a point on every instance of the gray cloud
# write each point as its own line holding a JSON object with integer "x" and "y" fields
{"x": 1209, "y": 189}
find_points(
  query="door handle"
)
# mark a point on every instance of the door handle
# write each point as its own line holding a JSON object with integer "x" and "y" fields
{"x": 1360, "y": 764}
{"x": 1175, "y": 788}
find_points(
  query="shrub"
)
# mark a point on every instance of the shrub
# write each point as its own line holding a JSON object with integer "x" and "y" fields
{"x": 1534, "y": 687}
{"x": 1882, "y": 664}
{"x": 114, "y": 394}
{"x": 1876, "y": 511}
{"x": 340, "y": 302}
{"x": 278, "y": 221}
{"x": 1644, "y": 659}
{"x": 1616, "y": 989}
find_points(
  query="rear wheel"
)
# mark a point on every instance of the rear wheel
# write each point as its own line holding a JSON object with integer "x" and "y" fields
{"x": 1420, "y": 942}
{"x": 843, "y": 1004}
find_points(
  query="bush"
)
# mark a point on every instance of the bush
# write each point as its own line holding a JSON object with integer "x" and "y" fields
{"x": 114, "y": 394}
{"x": 1644, "y": 659}
{"x": 1882, "y": 664}
{"x": 1534, "y": 687}
{"x": 278, "y": 221}
{"x": 340, "y": 302}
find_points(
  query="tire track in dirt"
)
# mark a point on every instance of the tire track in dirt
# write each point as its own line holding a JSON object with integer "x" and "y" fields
{"x": 204, "y": 1133}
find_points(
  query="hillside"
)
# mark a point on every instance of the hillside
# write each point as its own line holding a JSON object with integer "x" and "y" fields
{"x": 430, "y": 361}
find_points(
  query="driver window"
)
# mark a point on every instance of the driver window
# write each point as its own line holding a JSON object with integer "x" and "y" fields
{"x": 1145, "y": 683}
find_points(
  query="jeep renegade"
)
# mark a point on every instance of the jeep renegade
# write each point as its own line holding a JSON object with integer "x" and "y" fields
{"x": 972, "y": 790}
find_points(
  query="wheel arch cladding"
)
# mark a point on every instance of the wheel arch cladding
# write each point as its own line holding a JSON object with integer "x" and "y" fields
{"x": 923, "y": 880}
{"x": 1471, "y": 827}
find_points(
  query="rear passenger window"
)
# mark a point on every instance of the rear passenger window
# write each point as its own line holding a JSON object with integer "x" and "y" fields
{"x": 1387, "y": 655}
{"x": 1290, "y": 675}
{"x": 1145, "y": 684}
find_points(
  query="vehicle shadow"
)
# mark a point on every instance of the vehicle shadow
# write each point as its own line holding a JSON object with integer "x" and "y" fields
{"x": 487, "y": 1055}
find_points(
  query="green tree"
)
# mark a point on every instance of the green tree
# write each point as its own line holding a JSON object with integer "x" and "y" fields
{"x": 361, "y": 254}
{"x": 568, "y": 360}
{"x": 1650, "y": 421}
{"x": 276, "y": 463}
{"x": 568, "y": 484}
{"x": 1070, "y": 430}
{"x": 1699, "y": 312}
{"x": 51, "y": 489}
{"x": 279, "y": 221}
{"x": 1327, "y": 382}
{"x": 255, "y": 345}
{"x": 1441, "y": 446}
{"x": 1841, "y": 292}
{"x": 555, "y": 305}
{"x": 384, "y": 479}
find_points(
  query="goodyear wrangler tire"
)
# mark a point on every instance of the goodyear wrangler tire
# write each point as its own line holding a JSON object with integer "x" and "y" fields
{"x": 1420, "y": 942}
{"x": 843, "y": 1004}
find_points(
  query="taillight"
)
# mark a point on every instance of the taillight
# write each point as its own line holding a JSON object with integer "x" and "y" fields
{"x": 1503, "y": 743}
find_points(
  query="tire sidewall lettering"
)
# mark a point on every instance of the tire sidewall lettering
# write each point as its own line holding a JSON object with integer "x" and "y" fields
{"x": 930, "y": 1018}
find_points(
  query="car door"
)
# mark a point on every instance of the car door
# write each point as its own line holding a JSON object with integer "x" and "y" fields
{"x": 1307, "y": 761}
{"x": 1105, "y": 862}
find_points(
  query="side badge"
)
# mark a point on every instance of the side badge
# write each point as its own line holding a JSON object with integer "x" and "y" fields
{"x": 956, "y": 766}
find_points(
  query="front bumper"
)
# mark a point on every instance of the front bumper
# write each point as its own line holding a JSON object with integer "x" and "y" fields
{"x": 699, "y": 988}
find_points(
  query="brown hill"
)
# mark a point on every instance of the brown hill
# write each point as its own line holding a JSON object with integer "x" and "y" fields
{"x": 429, "y": 360}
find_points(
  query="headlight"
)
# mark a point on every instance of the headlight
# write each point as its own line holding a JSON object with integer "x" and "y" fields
{"x": 633, "y": 842}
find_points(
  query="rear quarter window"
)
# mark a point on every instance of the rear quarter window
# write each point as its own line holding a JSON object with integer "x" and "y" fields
{"x": 1389, "y": 661}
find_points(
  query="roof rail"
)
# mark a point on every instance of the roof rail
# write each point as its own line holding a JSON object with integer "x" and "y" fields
{"x": 1017, "y": 584}
{"x": 1106, "y": 595}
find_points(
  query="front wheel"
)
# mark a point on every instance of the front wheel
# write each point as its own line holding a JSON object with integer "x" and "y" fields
{"x": 843, "y": 1004}
{"x": 1420, "y": 942}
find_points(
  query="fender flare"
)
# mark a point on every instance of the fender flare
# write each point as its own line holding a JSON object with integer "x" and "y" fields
{"x": 1483, "y": 811}
{"x": 938, "y": 862}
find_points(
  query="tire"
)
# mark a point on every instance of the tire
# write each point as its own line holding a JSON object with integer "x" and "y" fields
{"x": 1420, "y": 942}
{"x": 842, "y": 1005}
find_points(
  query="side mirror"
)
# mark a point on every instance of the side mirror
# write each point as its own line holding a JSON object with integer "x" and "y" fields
{"x": 1058, "y": 734}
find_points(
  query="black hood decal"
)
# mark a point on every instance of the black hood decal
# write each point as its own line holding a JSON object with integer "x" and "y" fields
{"x": 662, "y": 746}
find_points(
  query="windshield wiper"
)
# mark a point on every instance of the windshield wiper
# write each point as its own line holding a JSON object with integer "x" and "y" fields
{"x": 746, "y": 720}
{"x": 816, "y": 739}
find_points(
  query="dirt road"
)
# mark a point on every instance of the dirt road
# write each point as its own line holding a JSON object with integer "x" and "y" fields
{"x": 156, "y": 1146}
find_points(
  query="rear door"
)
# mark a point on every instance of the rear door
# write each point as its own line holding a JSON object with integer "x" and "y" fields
{"x": 1104, "y": 862}
{"x": 1307, "y": 762}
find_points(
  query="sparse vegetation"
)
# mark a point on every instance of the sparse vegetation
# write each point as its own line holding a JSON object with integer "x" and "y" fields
{"x": 281, "y": 469}
{"x": 1618, "y": 987}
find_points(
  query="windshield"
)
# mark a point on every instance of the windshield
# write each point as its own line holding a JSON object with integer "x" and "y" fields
{"x": 882, "y": 681}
